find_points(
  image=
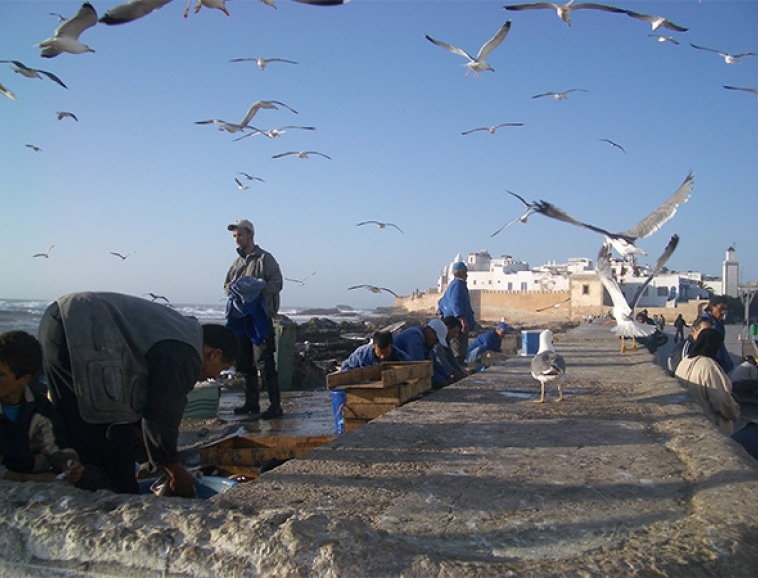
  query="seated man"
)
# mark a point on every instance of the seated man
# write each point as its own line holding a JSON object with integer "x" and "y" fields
{"x": 379, "y": 349}
{"x": 31, "y": 436}
{"x": 119, "y": 369}
{"x": 745, "y": 378}
{"x": 489, "y": 341}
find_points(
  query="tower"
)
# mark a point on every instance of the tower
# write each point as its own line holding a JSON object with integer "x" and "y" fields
{"x": 730, "y": 274}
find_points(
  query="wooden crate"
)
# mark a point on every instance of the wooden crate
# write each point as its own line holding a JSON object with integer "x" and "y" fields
{"x": 375, "y": 390}
{"x": 245, "y": 454}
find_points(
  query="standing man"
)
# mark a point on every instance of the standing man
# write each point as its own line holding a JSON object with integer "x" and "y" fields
{"x": 252, "y": 261}
{"x": 115, "y": 363}
{"x": 716, "y": 311}
{"x": 456, "y": 302}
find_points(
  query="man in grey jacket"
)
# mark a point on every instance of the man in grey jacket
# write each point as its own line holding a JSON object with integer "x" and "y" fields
{"x": 252, "y": 261}
{"x": 115, "y": 363}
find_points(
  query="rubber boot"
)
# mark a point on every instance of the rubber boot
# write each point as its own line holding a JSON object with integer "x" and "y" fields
{"x": 252, "y": 396}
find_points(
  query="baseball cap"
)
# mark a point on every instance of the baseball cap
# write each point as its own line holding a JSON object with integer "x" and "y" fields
{"x": 439, "y": 329}
{"x": 242, "y": 224}
{"x": 503, "y": 327}
{"x": 459, "y": 266}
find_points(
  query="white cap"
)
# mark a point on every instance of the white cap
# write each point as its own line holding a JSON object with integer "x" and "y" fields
{"x": 439, "y": 329}
{"x": 242, "y": 224}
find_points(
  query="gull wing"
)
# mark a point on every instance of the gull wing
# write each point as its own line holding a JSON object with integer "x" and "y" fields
{"x": 554, "y": 212}
{"x": 534, "y": 6}
{"x": 493, "y": 42}
{"x": 667, "y": 252}
{"x": 620, "y": 306}
{"x": 85, "y": 18}
{"x": 450, "y": 47}
{"x": 662, "y": 214}
{"x": 131, "y": 10}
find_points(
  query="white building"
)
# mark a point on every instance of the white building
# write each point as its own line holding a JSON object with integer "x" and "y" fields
{"x": 730, "y": 274}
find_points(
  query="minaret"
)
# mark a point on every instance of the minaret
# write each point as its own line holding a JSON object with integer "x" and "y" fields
{"x": 730, "y": 274}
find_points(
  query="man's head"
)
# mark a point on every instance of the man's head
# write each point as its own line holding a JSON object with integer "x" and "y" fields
{"x": 220, "y": 350}
{"x": 453, "y": 325}
{"x": 244, "y": 234}
{"x": 460, "y": 270}
{"x": 501, "y": 329}
{"x": 20, "y": 361}
{"x": 382, "y": 341}
{"x": 435, "y": 332}
{"x": 718, "y": 306}
{"x": 699, "y": 324}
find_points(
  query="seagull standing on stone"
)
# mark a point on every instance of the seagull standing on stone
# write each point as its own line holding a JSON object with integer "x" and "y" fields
{"x": 613, "y": 144}
{"x": 529, "y": 209}
{"x": 263, "y": 62}
{"x": 564, "y": 10}
{"x": 478, "y": 64}
{"x": 626, "y": 324}
{"x": 66, "y": 36}
{"x": 728, "y": 58}
{"x": 24, "y": 70}
{"x": 46, "y": 254}
{"x": 559, "y": 96}
{"x": 379, "y": 225}
{"x": 548, "y": 366}
{"x": 492, "y": 129}
{"x": 624, "y": 242}
{"x": 131, "y": 10}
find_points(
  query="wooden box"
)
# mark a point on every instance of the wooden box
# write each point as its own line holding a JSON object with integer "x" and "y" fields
{"x": 245, "y": 454}
{"x": 375, "y": 390}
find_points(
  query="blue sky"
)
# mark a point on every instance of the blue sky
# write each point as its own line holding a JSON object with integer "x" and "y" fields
{"x": 136, "y": 174}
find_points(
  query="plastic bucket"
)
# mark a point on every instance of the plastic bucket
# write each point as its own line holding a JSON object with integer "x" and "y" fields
{"x": 530, "y": 342}
{"x": 338, "y": 403}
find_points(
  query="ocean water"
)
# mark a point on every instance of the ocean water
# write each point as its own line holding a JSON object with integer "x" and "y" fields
{"x": 25, "y": 314}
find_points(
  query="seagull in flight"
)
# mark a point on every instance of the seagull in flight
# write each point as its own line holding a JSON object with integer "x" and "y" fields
{"x": 728, "y": 58}
{"x": 379, "y": 225}
{"x": 131, "y": 10}
{"x": 559, "y": 96}
{"x": 478, "y": 64}
{"x": 656, "y": 22}
{"x": 263, "y": 62}
{"x": 121, "y": 256}
{"x": 752, "y": 90}
{"x": 155, "y": 297}
{"x": 492, "y": 129}
{"x": 661, "y": 38}
{"x": 529, "y": 209}
{"x": 60, "y": 17}
{"x": 624, "y": 242}
{"x": 7, "y": 92}
{"x": 35, "y": 148}
{"x": 240, "y": 185}
{"x": 374, "y": 289}
{"x": 217, "y": 4}
{"x": 23, "y": 70}
{"x": 250, "y": 177}
{"x": 302, "y": 281}
{"x": 66, "y": 36}
{"x": 548, "y": 366}
{"x": 63, "y": 114}
{"x": 46, "y": 254}
{"x": 251, "y": 112}
{"x": 274, "y": 132}
{"x": 623, "y": 312}
{"x": 563, "y": 10}
{"x": 301, "y": 154}
{"x": 613, "y": 144}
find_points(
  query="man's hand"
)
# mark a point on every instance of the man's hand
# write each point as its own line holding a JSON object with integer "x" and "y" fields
{"x": 181, "y": 483}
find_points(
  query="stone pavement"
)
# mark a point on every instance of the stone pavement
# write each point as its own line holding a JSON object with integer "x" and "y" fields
{"x": 624, "y": 478}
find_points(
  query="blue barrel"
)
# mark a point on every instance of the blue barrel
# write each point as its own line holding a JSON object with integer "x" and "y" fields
{"x": 530, "y": 341}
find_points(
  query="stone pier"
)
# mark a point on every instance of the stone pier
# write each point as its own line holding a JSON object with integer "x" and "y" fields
{"x": 624, "y": 478}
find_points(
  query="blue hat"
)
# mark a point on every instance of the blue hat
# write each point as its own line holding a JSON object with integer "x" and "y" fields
{"x": 503, "y": 327}
{"x": 459, "y": 266}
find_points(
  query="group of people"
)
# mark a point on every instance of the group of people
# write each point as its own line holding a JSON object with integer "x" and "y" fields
{"x": 444, "y": 339}
{"x": 105, "y": 385}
